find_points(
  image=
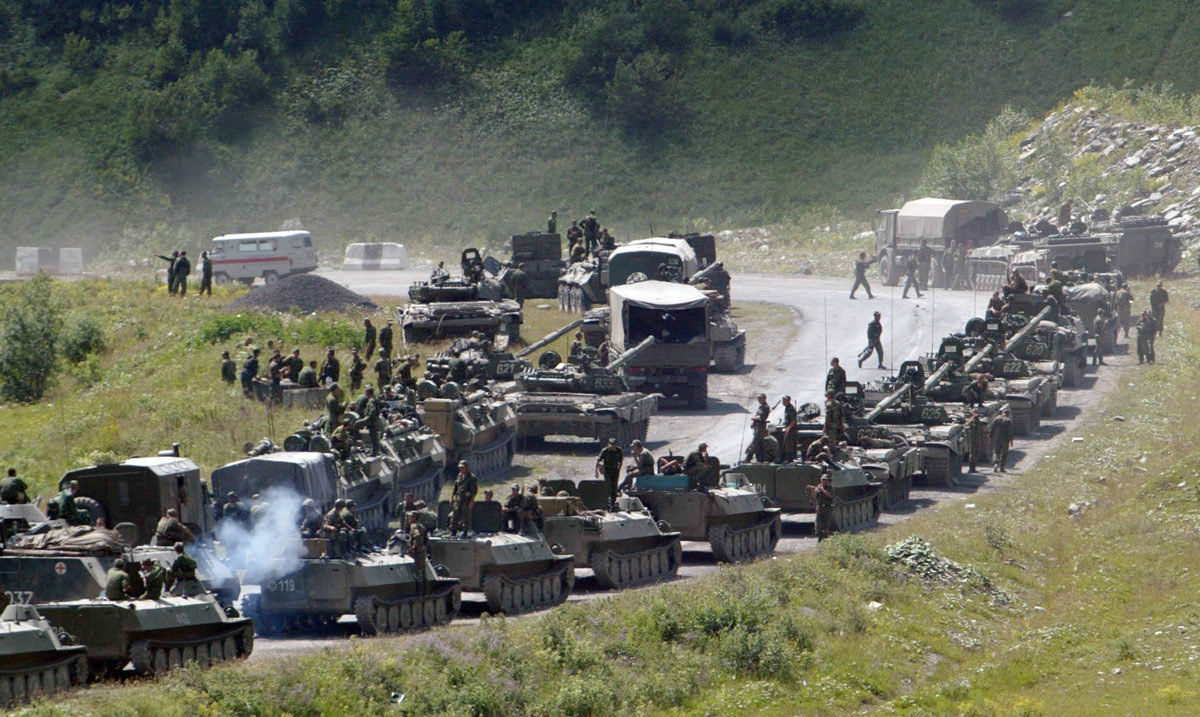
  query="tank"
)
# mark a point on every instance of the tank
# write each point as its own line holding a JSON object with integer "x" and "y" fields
{"x": 730, "y": 515}
{"x": 467, "y": 358}
{"x": 70, "y": 563}
{"x": 1059, "y": 338}
{"x": 624, "y": 548}
{"x": 433, "y": 321}
{"x": 154, "y": 635}
{"x": 515, "y": 573}
{"x": 36, "y": 658}
{"x": 858, "y": 505}
{"x": 889, "y": 460}
{"x": 479, "y": 428}
{"x": 380, "y": 589}
{"x": 583, "y": 399}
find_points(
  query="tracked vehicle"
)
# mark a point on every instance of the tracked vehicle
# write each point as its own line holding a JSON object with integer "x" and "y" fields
{"x": 858, "y": 505}
{"x": 479, "y": 428}
{"x": 678, "y": 317}
{"x": 154, "y": 635}
{"x": 624, "y": 548}
{"x": 465, "y": 360}
{"x": 36, "y": 658}
{"x": 585, "y": 284}
{"x": 516, "y": 573}
{"x": 381, "y": 590}
{"x": 444, "y": 307}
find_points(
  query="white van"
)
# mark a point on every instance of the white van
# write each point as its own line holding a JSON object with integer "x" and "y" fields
{"x": 271, "y": 255}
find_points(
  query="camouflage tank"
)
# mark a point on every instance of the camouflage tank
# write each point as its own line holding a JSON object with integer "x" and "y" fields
{"x": 787, "y": 485}
{"x": 1056, "y": 338}
{"x": 585, "y": 284}
{"x": 624, "y": 548}
{"x": 58, "y": 564}
{"x": 155, "y": 635}
{"x": 36, "y": 658}
{"x": 729, "y": 514}
{"x": 479, "y": 428}
{"x": 381, "y": 590}
{"x": 515, "y": 573}
{"x": 444, "y": 307}
{"x": 583, "y": 399}
{"x": 475, "y": 360}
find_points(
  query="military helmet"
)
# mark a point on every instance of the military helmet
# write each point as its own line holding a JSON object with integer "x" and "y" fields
{"x": 231, "y": 496}
{"x": 350, "y": 504}
{"x": 636, "y": 442}
{"x": 339, "y": 503}
{"x": 612, "y": 441}
{"x": 119, "y": 563}
{"x": 147, "y": 561}
{"x": 178, "y": 547}
{"x": 309, "y": 503}
{"x": 463, "y": 464}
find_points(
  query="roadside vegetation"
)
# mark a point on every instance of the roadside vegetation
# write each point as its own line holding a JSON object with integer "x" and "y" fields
{"x": 1073, "y": 593}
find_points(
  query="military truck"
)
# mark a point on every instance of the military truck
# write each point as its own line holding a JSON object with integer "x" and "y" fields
{"x": 941, "y": 223}
{"x": 624, "y": 547}
{"x": 155, "y": 635}
{"x": 515, "y": 572}
{"x": 678, "y": 317}
{"x": 583, "y": 399}
{"x": 382, "y": 590}
{"x": 36, "y": 658}
{"x": 585, "y": 284}
{"x": 479, "y": 428}
{"x": 138, "y": 492}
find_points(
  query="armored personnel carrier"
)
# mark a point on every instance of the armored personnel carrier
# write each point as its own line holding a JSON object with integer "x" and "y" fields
{"x": 624, "y": 548}
{"x": 382, "y": 590}
{"x": 728, "y": 513}
{"x": 786, "y": 485}
{"x": 444, "y": 307}
{"x": 36, "y": 658}
{"x": 155, "y": 635}
{"x": 479, "y": 428}
{"x": 515, "y": 573}
{"x": 583, "y": 399}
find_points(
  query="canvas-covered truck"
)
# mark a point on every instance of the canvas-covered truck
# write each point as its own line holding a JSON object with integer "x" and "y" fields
{"x": 678, "y": 317}
{"x": 271, "y": 255}
{"x": 941, "y": 223}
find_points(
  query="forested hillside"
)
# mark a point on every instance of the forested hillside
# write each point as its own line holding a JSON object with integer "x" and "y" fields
{"x": 138, "y": 124}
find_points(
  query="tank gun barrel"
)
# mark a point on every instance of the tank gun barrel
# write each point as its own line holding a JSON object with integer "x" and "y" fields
{"x": 1021, "y": 335}
{"x": 888, "y": 401}
{"x": 978, "y": 357}
{"x": 703, "y": 273}
{"x": 548, "y": 339}
{"x": 628, "y": 355}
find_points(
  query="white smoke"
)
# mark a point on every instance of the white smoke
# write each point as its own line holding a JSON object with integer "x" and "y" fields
{"x": 271, "y": 547}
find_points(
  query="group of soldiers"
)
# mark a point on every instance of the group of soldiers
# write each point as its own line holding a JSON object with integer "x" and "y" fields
{"x": 148, "y": 580}
{"x": 179, "y": 268}
{"x": 585, "y": 237}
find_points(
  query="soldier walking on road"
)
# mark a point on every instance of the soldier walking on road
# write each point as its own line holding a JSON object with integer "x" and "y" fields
{"x": 1158, "y": 305}
{"x": 466, "y": 486}
{"x": 874, "y": 341}
{"x": 1124, "y": 300}
{"x": 1146, "y": 330}
{"x": 1002, "y": 440}
{"x": 822, "y": 498}
{"x": 368, "y": 338}
{"x": 910, "y": 278}
{"x": 610, "y": 460}
{"x": 1099, "y": 331}
{"x": 206, "y": 274}
{"x": 860, "y": 274}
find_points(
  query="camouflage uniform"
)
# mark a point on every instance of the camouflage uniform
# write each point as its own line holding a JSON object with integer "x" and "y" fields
{"x": 183, "y": 576}
{"x": 1124, "y": 299}
{"x": 228, "y": 370}
{"x": 466, "y": 486}
{"x": 1147, "y": 329}
{"x": 155, "y": 579}
{"x": 610, "y": 459}
{"x": 1001, "y": 440}
{"x": 171, "y": 531}
{"x": 13, "y": 490}
{"x": 1158, "y": 307}
{"x": 418, "y": 550}
{"x": 357, "y": 367}
{"x": 116, "y": 583}
{"x": 822, "y": 497}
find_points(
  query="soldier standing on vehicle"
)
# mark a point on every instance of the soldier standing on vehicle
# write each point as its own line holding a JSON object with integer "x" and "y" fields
{"x": 697, "y": 467}
{"x": 910, "y": 277}
{"x": 1158, "y": 305}
{"x": 1002, "y": 440}
{"x": 610, "y": 460}
{"x": 183, "y": 267}
{"x": 13, "y": 489}
{"x": 574, "y": 236}
{"x": 518, "y": 283}
{"x": 531, "y": 512}
{"x": 552, "y": 222}
{"x": 171, "y": 531}
{"x": 860, "y": 274}
{"x": 171, "y": 261}
{"x": 466, "y": 486}
{"x": 418, "y": 550}
{"x": 206, "y": 274}
{"x": 754, "y": 451}
{"x": 386, "y": 337}
{"x": 835, "y": 379}
{"x": 874, "y": 341}
{"x": 182, "y": 577}
{"x": 116, "y": 582}
{"x": 591, "y": 232}
{"x": 924, "y": 264}
{"x": 1146, "y": 329}
{"x": 249, "y": 371}
{"x": 835, "y": 418}
{"x": 228, "y": 369}
{"x": 1124, "y": 301}
{"x": 368, "y": 338}
{"x": 791, "y": 429}
{"x": 331, "y": 369}
{"x": 512, "y": 510}
{"x": 976, "y": 430}
{"x": 357, "y": 367}
{"x": 66, "y": 506}
{"x": 823, "y": 500}
{"x": 576, "y": 346}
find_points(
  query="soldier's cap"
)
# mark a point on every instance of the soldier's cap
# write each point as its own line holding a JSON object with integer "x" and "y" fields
{"x": 824, "y": 477}
{"x": 762, "y": 395}
{"x": 369, "y": 389}
{"x": 354, "y": 351}
{"x": 516, "y": 486}
{"x": 533, "y": 488}
{"x": 256, "y": 351}
{"x": 390, "y": 321}
{"x": 147, "y": 561}
{"x": 787, "y": 398}
{"x": 309, "y": 503}
{"x": 224, "y": 353}
{"x": 562, "y": 494}
{"x": 333, "y": 386}
{"x": 636, "y": 442}
{"x": 463, "y": 464}
{"x": 612, "y": 441}
{"x": 179, "y": 547}
{"x": 878, "y": 314}
{"x": 119, "y": 563}
{"x": 702, "y": 446}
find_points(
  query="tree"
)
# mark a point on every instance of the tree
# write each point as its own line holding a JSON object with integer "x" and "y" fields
{"x": 29, "y": 338}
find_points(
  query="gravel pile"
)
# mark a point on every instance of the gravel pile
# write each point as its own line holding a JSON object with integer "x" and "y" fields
{"x": 303, "y": 293}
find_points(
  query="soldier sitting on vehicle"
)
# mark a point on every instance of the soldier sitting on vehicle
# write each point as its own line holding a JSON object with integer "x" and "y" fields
{"x": 154, "y": 577}
{"x": 512, "y": 510}
{"x": 116, "y": 583}
{"x": 311, "y": 520}
{"x": 171, "y": 531}
{"x": 531, "y": 512}
{"x": 643, "y": 464}
{"x": 698, "y": 468}
{"x": 13, "y": 489}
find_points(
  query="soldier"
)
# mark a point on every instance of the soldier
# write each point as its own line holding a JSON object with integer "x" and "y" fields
{"x": 591, "y": 232}
{"x": 578, "y": 253}
{"x": 574, "y": 236}
{"x": 183, "y": 267}
{"x": 182, "y": 578}
{"x": 531, "y": 511}
{"x": 791, "y": 428}
{"x": 308, "y": 376}
{"x": 357, "y": 367}
{"x": 1146, "y": 329}
{"x": 249, "y": 371}
{"x": 768, "y": 448}
{"x": 439, "y": 274}
{"x": 294, "y": 365}
{"x": 835, "y": 419}
{"x": 331, "y": 369}
{"x": 860, "y": 274}
{"x": 341, "y": 440}
{"x": 356, "y": 536}
{"x": 910, "y": 277}
{"x": 154, "y": 577}
{"x": 335, "y": 406}
{"x": 369, "y": 336}
{"x": 385, "y": 337}
{"x": 642, "y": 464}
{"x": 611, "y": 459}
{"x": 835, "y": 379}
{"x": 275, "y": 372}
{"x": 924, "y": 263}
{"x": 962, "y": 279}
{"x": 418, "y": 550}
{"x": 332, "y": 523}
{"x": 462, "y": 498}
{"x": 116, "y": 582}
{"x": 820, "y": 451}
{"x": 171, "y": 531}
{"x": 171, "y": 261}
{"x": 976, "y": 430}
{"x": 383, "y": 369}
{"x": 1055, "y": 274}
{"x": 576, "y": 346}
{"x": 518, "y": 283}
{"x": 874, "y": 341}
{"x": 763, "y": 410}
{"x": 311, "y": 520}
{"x": 234, "y": 512}
{"x": 13, "y": 489}
{"x": 1016, "y": 284}
{"x": 1002, "y": 439}
{"x": 696, "y": 466}
{"x": 665, "y": 273}
{"x": 1099, "y": 331}
{"x": 607, "y": 243}
{"x": 754, "y": 451}
{"x": 228, "y": 369}
{"x": 372, "y": 408}
{"x": 206, "y": 274}
{"x": 66, "y": 506}
{"x": 1124, "y": 301}
{"x": 407, "y": 366}
{"x": 552, "y": 222}
{"x": 823, "y": 500}
{"x": 1158, "y": 306}
{"x": 976, "y": 392}
{"x": 512, "y": 510}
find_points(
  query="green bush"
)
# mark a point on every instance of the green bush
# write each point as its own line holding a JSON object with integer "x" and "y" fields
{"x": 811, "y": 19}
{"x": 642, "y": 96}
{"x": 29, "y": 342}
{"x": 81, "y": 337}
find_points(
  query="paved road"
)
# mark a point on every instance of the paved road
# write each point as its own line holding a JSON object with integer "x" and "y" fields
{"x": 825, "y": 323}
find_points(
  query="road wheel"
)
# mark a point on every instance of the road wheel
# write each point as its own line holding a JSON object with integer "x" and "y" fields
{"x": 364, "y": 610}
{"x": 270, "y": 277}
{"x": 221, "y": 278}
{"x": 887, "y": 272}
